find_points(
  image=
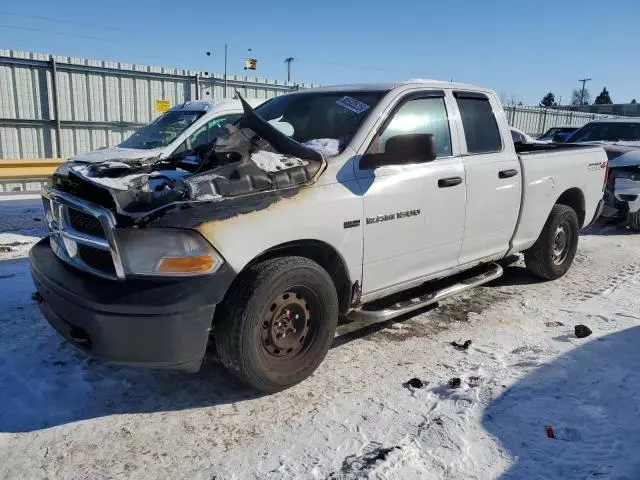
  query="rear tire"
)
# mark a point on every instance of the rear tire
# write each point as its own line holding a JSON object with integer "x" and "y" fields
{"x": 553, "y": 253}
{"x": 634, "y": 221}
{"x": 277, "y": 323}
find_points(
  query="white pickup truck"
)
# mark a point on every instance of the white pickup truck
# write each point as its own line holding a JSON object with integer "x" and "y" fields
{"x": 333, "y": 202}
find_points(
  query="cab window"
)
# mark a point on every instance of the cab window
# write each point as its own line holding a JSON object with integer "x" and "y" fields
{"x": 421, "y": 115}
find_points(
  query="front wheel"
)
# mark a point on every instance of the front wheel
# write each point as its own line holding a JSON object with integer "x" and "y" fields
{"x": 277, "y": 323}
{"x": 553, "y": 253}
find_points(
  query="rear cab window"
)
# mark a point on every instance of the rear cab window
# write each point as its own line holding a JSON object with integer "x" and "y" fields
{"x": 481, "y": 130}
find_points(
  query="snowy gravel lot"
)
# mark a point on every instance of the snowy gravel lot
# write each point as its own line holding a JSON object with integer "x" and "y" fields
{"x": 65, "y": 416}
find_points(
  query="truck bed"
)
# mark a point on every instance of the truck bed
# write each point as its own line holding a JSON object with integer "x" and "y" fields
{"x": 551, "y": 171}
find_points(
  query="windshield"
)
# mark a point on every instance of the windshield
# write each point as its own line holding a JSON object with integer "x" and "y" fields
{"x": 312, "y": 116}
{"x": 162, "y": 131}
{"x": 607, "y": 132}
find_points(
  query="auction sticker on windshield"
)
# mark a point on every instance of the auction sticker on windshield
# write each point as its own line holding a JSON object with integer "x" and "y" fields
{"x": 352, "y": 104}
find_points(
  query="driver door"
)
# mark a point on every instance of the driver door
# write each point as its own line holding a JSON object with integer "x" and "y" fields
{"x": 414, "y": 210}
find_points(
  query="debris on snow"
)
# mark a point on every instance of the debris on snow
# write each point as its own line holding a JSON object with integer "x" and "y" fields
{"x": 554, "y": 324}
{"x": 549, "y": 431}
{"x": 462, "y": 346}
{"x": 415, "y": 383}
{"x": 455, "y": 382}
{"x": 582, "y": 331}
{"x": 474, "y": 381}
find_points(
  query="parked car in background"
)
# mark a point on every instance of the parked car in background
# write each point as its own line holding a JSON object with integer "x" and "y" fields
{"x": 519, "y": 136}
{"x": 608, "y": 130}
{"x": 182, "y": 128}
{"x": 620, "y": 138}
{"x": 557, "y": 134}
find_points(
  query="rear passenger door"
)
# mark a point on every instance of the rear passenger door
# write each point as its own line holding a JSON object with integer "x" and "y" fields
{"x": 493, "y": 177}
{"x": 414, "y": 212}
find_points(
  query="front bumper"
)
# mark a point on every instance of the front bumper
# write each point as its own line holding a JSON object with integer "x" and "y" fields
{"x": 149, "y": 322}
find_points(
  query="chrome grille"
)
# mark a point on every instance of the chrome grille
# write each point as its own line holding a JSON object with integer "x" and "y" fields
{"x": 82, "y": 234}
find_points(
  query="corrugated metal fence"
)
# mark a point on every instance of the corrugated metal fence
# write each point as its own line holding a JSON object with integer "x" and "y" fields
{"x": 537, "y": 120}
{"x": 52, "y": 106}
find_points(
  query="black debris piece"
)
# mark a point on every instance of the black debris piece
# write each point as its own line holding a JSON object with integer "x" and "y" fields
{"x": 4, "y": 248}
{"x": 36, "y": 297}
{"x": 582, "y": 331}
{"x": 462, "y": 346}
{"x": 455, "y": 382}
{"x": 36, "y": 219}
{"x": 59, "y": 362}
{"x": 438, "y": 421}
{"x": 414, "y": 383}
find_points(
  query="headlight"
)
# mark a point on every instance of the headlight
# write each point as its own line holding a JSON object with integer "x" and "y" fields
{"x": 166, "y": 252}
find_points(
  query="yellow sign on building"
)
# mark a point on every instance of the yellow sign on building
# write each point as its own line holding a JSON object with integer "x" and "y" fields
{"x": 163, "y": 105}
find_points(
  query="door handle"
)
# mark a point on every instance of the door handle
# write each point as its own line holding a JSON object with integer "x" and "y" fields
{"x": 507, "y": 173}
{"x": 449, "y": 182}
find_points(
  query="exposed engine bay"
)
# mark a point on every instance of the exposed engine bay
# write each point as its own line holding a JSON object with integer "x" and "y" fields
{"x": 247, "y": 168}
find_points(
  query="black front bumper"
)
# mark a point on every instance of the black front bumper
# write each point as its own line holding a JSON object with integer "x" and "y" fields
{"x": 140, "y": 321}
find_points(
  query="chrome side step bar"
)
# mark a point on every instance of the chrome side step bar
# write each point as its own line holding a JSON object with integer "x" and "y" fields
{"x": 363, "y": 317}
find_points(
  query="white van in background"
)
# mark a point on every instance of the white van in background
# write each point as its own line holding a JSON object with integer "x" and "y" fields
{"x": 181, "y": 128}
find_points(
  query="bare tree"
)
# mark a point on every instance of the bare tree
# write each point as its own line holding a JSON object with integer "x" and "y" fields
{"x": 577, "y": 97}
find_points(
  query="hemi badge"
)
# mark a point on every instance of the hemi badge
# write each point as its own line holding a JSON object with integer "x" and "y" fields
{"x": 352, "y": 223}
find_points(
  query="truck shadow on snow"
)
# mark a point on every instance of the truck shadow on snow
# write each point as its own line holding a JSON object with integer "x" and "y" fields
{"x": 590, "y": 397}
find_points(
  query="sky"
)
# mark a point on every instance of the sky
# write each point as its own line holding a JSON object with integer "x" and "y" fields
{"x": 521, "y": 49}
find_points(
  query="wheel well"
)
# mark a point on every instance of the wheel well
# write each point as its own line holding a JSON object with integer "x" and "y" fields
{"x": 574, "y": 198}
{"x": 323, "y": 254}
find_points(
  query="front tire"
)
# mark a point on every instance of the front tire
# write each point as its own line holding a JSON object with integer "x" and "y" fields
{"x": 553, "y": 253}
{"x": 277, "y": 323}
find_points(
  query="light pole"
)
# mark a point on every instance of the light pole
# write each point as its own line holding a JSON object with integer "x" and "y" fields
{"x": 288, "y": 62}
{"x": 225, "y": 71}
{"x": 224, "y": 94}
{"x": 584, "y": 81}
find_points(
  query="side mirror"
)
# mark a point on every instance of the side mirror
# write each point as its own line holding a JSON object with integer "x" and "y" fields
{"x": 402, "y": 150}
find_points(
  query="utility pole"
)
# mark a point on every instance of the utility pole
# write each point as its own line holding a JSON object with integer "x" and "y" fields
{"x": 288, "y": 62}
{"x": 584, "y": 81}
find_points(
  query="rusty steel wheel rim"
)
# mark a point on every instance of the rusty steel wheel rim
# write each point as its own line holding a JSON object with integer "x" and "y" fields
{"x": 285, "y": 325}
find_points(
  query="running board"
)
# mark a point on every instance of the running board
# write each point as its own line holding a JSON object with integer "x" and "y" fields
{"x": 362, "y": 317}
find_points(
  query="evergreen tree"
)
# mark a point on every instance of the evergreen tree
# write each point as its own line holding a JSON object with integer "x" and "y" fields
{"x": 549, "y": 100}
{"x": 603, "y": 98}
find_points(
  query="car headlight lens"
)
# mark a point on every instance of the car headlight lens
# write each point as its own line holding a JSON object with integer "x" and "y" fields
{"x": 166, "y": 252}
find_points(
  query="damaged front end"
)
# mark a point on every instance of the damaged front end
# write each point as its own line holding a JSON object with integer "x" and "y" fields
{"x": 251, "y": 167}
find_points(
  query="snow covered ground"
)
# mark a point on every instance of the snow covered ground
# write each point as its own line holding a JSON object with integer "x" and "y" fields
{"x": 65, "y": 416}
